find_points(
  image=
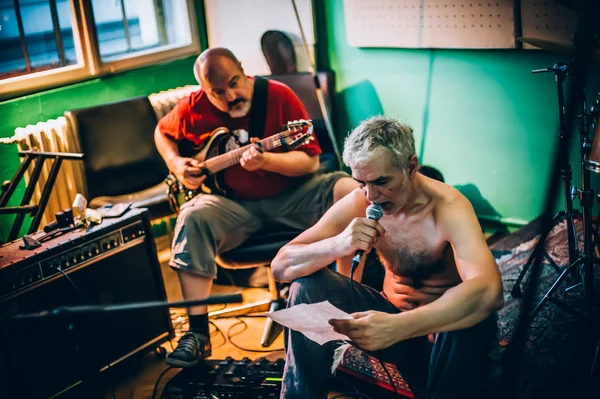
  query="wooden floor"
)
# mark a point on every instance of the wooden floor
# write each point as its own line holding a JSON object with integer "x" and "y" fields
{"x": 140, "y": 381}
{"x": 139, "y": 384}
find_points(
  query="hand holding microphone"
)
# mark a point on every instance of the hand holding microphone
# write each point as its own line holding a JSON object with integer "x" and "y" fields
{"x": 364, "y": 233}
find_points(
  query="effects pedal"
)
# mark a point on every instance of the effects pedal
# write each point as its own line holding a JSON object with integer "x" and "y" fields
{"x": 228, "y": 379}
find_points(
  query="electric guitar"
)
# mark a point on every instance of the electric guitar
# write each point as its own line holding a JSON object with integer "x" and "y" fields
{"x": 221, "y": 151}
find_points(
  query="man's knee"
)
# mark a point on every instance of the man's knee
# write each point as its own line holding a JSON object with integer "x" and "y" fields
{"x": 315, "y": 287}
{"x": 343, "y": 187}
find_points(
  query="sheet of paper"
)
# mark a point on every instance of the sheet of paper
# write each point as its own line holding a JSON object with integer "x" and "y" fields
{"x": 312, "y": 320}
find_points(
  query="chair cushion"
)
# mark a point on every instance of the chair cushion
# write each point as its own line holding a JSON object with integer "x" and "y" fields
{"x": 259, "y": 249}
{"x": 154, "y": 198}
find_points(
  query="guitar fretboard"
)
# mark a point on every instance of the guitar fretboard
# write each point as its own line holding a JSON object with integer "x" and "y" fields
{"x": 220, "y": 162}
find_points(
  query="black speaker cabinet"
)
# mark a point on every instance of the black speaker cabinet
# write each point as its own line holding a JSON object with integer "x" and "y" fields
{"x": 112, "y": 263}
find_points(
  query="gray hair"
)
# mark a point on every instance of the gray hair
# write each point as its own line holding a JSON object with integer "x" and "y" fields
{"x": 375, "y": 135}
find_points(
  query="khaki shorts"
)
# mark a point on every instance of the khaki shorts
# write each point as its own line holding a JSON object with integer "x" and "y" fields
{"x": 209, "y": 224}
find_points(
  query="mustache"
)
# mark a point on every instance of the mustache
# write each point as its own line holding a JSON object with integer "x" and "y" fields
{"x": 235, "y": 102}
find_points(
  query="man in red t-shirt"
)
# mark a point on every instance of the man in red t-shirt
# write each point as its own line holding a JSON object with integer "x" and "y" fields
{"x": 266, "y": 187}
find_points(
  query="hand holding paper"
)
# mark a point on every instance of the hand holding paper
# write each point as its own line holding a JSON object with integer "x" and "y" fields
{"x": 312, "y": 320}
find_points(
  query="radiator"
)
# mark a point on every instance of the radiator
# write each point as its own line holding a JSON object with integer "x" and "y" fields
{"x": 164, "y": 101}
{"x": 53, "y": 135}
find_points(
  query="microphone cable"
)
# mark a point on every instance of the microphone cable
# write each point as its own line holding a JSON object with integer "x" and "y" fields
{"x": 387, "y": 372}
{"x": 374, "y": 212}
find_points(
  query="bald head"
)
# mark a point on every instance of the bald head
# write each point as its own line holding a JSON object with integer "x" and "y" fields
{"x": 221, "y": 76}
{"x": 212, "y": 61}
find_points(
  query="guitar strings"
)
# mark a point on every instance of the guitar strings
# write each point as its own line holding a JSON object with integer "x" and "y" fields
{"x": 235, "y": 154}
{"x": 269, "y": 142}
{"x": 231, "y": 160}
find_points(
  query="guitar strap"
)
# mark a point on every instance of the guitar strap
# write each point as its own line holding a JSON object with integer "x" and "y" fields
{"x": 258, "y": 112}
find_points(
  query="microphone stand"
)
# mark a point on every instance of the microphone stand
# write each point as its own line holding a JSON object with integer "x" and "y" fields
{"x": 73, "y": 311}
{"x": 561, "y": 70}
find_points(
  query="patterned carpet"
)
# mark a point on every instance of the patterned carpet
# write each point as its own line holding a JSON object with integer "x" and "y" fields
{"x": 557, "y": 357}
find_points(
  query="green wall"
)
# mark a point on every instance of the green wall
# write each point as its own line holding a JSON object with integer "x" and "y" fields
{"x": 19, "y": 112}
{"x": 480, "y": 116}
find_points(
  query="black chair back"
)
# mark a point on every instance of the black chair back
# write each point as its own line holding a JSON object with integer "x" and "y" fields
{"x": 117, "y": 140}
{"x": 303, "y": 85}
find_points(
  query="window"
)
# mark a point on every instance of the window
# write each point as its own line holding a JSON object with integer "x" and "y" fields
{"x": 47, "y": 43}
{"x": 129, "y": 26}
{"x": 35, "y": 36}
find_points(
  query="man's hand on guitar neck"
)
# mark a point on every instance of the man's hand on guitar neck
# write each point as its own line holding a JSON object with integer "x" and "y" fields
{"x": 254, "y": 157}
{"x": 188, "y": 172}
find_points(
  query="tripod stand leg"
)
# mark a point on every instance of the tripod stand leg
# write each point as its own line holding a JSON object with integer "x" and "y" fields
{"x": 591, "y": 378}
{"x": 516, "y": 289}
{"x": 552, "y": 263}
{"x": 554, "y": 287}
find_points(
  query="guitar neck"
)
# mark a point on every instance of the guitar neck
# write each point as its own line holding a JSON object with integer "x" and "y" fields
{"x": 224, "y": 161}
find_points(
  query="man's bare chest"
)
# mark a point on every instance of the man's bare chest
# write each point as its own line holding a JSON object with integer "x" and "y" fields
{"x": 414, "y": 250}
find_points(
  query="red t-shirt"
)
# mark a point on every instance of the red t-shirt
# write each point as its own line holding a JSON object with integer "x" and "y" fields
{"x": 195, "y": 117}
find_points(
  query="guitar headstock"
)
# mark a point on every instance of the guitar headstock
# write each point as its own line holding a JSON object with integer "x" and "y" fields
{"x": 300, "y": 132}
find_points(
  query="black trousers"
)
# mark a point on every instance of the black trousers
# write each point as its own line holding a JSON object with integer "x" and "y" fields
{"x": 453, "y": 367}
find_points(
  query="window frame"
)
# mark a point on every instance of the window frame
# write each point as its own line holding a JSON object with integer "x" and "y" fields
{"x": 90, "y": 65}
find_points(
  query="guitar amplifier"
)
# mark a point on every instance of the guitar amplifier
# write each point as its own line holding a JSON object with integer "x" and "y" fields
{"x": 111, "y": 263}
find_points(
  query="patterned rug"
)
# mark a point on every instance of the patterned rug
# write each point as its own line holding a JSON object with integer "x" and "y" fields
{"x": 560, "y": 346}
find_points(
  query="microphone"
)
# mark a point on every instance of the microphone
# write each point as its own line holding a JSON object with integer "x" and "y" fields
{"x": 374, "y": 212}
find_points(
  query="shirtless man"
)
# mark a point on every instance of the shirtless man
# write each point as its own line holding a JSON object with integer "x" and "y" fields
{"x": 440, "y": 278}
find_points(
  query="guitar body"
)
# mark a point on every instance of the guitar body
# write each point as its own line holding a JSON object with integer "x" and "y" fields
{"x": 222, "y": 150}
{"x": 216, "y": 145}
{"x": 214, "y": 183}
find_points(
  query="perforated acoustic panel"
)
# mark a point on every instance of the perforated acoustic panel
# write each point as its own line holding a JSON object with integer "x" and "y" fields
{"x": 547, "y": 21}
{"x": 430, "y": 23}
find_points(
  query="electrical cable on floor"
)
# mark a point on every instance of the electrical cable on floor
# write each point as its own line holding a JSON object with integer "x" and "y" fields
{"x": 158, "y": 380}
{"x": 229, "y": 336}
{"x": 217, "y": 331}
